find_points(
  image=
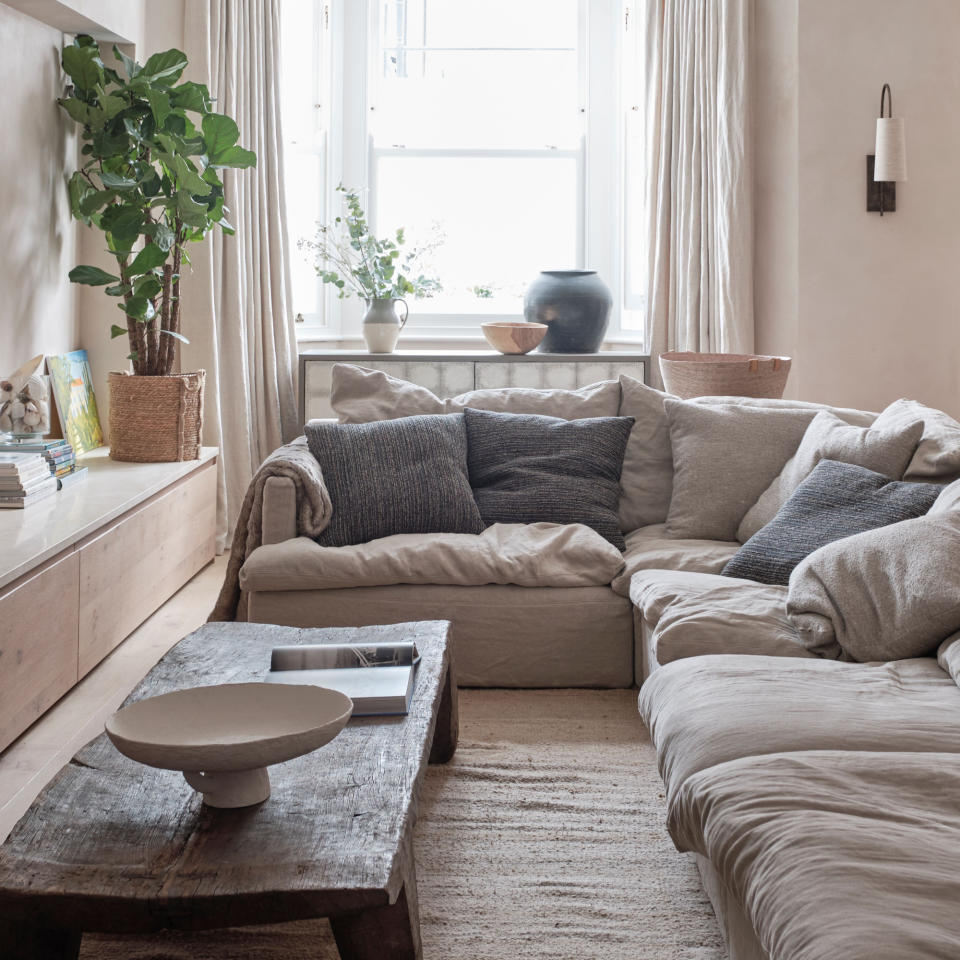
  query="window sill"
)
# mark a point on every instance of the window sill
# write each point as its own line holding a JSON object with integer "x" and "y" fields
{"x": 412, "y": 341}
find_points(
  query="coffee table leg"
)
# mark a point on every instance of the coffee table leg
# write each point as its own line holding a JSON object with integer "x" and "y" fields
{"x": 392, "y": 931}
{"x": 447, "y": 729}
{"x": 33, "y": 939}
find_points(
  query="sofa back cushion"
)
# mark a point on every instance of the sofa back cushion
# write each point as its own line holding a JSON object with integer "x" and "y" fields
{"x": 937, "y": 457}
{"x": 647, "y": 478}
{"x": 888, "y": 594}
{"x": 361, "y": 395}
{"x": 837, "y": 500}
{"x": 725, "y": 454}
{"x": 527, "y": 469}
{"x": 395, "y": 476}
{"x": 887, "y": 451}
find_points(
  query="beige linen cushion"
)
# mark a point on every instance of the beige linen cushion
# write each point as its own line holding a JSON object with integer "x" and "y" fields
{"x": 886, "y": 594}
{"x": 649, "y": 548}
{"x": 948, "y": 657}
{"x": 887, "y": 451}
{"x": 647, "y": 476}
{"x": 948, "y": 501}
{"x": 695, "y": 614}
{"x": 938, "y": 456}
{"x": 361, "y": 395}
{"x": 724, "y": 456}
{"x": 529, "y": 555}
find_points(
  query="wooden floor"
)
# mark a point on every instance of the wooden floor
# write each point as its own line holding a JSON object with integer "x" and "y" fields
{"x": 32, "y": 760}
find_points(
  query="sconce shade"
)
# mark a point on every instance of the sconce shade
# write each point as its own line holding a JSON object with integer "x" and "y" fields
{"x": 891, "y": 150}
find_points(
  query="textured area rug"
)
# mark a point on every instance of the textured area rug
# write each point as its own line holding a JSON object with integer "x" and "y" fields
{"x": 543, "y": 839}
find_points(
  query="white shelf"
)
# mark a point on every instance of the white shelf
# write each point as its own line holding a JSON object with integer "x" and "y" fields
{"x": 35, "y": 534}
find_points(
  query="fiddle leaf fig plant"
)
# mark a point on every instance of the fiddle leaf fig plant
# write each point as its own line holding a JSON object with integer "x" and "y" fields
{"x": 152, "y": 148}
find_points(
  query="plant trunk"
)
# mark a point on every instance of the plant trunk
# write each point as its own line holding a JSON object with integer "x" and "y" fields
{"x": 168, "y": 349}
{"x": 134, "y": 329}
{"x": 165, "y": 310}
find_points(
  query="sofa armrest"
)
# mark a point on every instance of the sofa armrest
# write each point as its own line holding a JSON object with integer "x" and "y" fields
{"x": 279, "y": 520}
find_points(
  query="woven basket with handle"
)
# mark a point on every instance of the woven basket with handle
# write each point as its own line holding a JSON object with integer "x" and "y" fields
{"x": 689, "y": 375}
{"x": 156, "y": 419}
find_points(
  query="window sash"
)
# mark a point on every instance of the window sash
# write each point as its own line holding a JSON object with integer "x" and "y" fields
{"x": 352, "y": 45}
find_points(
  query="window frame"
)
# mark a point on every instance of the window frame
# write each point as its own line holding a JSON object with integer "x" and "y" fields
{"x": 351, "y": 31}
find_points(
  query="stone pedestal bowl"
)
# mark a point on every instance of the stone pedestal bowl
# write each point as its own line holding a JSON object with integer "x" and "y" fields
{"x": 224, "y": 737}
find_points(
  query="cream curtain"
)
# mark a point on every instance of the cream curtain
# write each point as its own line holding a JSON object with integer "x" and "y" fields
{"x": 237, "y": 294}
{"x": 699, "y": 177}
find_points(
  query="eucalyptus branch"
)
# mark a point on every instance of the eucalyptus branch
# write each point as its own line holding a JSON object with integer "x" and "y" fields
{"x": 347, "y": 255}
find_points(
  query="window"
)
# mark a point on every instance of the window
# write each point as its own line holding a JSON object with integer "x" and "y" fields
{"x": 498, "y": 123}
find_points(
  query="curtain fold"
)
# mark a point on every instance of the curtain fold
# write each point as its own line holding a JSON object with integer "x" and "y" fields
{"x": 699, "y": 177}
{"x": 237, "y": 295}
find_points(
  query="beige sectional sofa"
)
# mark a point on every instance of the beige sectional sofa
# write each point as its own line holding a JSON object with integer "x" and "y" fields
{"x": 819, "y": 797}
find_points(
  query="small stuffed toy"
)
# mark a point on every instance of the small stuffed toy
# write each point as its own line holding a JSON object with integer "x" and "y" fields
{"x": 25, "y": 400}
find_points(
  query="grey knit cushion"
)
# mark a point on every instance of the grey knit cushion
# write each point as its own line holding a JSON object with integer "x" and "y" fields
{"x": 395, "y": 476}
{"x": 526, "y": 468}
{"x": 837, "y": 500}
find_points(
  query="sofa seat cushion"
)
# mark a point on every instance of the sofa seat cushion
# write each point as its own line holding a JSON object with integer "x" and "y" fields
{"x": 692, "y": 614}
{"x": 834, "y": 854}
{"x": 709, "y": 710}
{"x": 529, "y": 555}
{"x": 649, "y": 548}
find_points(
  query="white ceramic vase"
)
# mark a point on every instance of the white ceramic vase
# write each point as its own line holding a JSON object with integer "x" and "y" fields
{"x": 382, "y": 325}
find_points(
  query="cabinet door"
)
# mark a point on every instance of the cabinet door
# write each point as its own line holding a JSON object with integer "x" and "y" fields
{"x": 38, "y": 644}
{"x": 445, "y": 378}
{"x": 140, "y": 561}
{"x": 554, "y": 375}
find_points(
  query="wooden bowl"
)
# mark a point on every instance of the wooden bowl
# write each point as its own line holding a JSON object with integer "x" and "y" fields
{"x": 224, "y": 737}
{"x": 513, "y": 336}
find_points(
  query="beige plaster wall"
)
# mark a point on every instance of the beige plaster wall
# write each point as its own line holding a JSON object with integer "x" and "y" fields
{"x": 776, "y": 179}
{"x": 879, "y": 301}
{"x": 38, "y": 313}
{"x": 868, "y": 307}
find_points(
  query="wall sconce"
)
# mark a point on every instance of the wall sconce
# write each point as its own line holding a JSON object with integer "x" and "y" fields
{"x": 889, "y": 163}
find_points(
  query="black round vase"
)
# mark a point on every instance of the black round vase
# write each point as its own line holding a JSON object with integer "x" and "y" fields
{"x": 575, "y": 306}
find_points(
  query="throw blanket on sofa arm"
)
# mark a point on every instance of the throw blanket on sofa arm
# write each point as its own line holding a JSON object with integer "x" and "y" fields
{"x": 296, "y": 462}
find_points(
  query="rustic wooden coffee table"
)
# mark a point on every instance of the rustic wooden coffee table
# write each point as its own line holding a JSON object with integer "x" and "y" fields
{"x": 115, "y": 847}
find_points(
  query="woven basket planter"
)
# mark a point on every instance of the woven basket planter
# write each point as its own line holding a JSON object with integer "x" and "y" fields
{"x": 156, "y": 419}
{"x": 689, "y": 375}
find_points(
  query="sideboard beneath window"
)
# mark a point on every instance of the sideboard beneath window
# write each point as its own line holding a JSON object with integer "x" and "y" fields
{"x": 448, "y": 373}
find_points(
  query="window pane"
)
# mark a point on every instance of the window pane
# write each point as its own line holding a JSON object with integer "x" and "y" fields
{"x": 305, "y": 208}
{"x": 477, "y": 73}
{"x": 505, "y": 219}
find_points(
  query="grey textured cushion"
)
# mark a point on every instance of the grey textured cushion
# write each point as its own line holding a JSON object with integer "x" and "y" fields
{"x": 836, "y": 501}
{"x": 888, "y": 594}
{"x": 884, "y": 450}
{"x": 395, "y": 476}
{"x": 526, "y": 469}
{"x": 724, "y": 456}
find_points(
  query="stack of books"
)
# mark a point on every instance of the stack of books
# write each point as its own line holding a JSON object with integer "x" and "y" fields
{"x": 25, "y": 478}
{"x": 58, "y": 454}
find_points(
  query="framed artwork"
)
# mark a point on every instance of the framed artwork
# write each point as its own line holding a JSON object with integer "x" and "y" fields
{"x": 76, "y": 403}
